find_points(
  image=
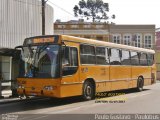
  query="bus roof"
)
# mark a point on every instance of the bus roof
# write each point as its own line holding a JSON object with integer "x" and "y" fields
{"x": 60, "y": 38}
{"x": 102, "y": 43}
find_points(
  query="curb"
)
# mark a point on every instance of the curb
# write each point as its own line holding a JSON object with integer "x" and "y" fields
{"x": 15, "y": 100}
{"x": 9, "y": 100}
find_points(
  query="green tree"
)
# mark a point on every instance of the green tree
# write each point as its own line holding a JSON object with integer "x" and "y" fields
{"x": 94, "y": 9}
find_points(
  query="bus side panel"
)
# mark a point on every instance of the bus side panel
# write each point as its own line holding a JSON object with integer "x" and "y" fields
{"x": 70, "y": 85}
{"x": 154, "y": 73}
{"x": 68, "y": 90}
{"x": 144, "y": 71}
{"x": 100, "y": 74}
{"x": 148, "y": 77}
{"x": 120, "y": 76}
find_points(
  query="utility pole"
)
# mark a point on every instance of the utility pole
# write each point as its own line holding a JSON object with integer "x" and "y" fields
{"x": 43, "y": 16}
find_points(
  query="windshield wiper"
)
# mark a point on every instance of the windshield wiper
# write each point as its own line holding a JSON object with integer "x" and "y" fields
{"x": 30, "y": 51}
{"x": 37, "y": 54}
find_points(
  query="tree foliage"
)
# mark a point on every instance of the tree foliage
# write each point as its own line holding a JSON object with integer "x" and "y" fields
{"x": 94, "y": 9}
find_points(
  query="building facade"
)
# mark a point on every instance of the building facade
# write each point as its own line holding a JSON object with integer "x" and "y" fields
{"x": 20, "y": 19}
{"x": 80, "y": 28}
{"x": 134, "y": 35}
{"x": 158, "y": 52}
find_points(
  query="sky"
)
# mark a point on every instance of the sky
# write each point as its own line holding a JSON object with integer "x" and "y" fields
{"x": 126, "y": 11}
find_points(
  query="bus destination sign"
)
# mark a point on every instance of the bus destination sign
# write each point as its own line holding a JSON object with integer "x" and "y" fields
{"x": 44, "y": 40}
{"x": 41, "y": 40}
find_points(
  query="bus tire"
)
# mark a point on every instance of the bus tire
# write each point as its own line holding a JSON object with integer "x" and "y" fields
{"x": 88, "y": 91}
{"x": 140, "y": 84}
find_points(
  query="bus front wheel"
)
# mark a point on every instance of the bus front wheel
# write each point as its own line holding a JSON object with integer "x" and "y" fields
{"x": 140, "y": 84}
{"x": 88, "y": 91}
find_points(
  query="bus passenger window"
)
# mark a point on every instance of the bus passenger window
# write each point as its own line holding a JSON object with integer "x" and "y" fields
{"x": 134, "y": 58}
{"x": 87, "y": 54}
{"x": 150, "y": 58}
{"x": 143, "y": 59}
{"x": 125, "y": 58}
{"x": 102, "y": 56}
{"x": 69, "y": 61}
{"x": 115, "y": 57}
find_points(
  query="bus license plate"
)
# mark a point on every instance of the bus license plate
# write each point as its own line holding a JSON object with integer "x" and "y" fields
{"x": 33, "y": 93}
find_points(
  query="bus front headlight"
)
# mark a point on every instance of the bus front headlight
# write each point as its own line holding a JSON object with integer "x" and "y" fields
{"x": 21, "y": 86}
{"x": 48, "y": 88}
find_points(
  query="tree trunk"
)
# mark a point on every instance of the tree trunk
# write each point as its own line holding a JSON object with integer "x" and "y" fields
{"x": 93, "y": 19}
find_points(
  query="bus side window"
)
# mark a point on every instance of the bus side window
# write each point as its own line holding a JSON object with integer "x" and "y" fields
{"x": 143, "y": 59}
{"x": 69, "y": 61}
{"x": 125, "y": 58}
{"x": 115, "y": 57}
{"x": 134, "y": 58}
{"x": 150, "y": 59}
{"x": 87, "y": 54}
{"x": 102, "y": 56}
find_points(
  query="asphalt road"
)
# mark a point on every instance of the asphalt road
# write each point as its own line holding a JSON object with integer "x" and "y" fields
{"x": 131, "y": 102}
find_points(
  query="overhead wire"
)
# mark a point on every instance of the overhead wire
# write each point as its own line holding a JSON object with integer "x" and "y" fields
{"x": 61, "y": 8}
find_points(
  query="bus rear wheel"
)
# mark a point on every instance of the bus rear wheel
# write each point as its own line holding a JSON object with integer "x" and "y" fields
{"x": 140, "y": 84}
{"x": 88, "y": 91}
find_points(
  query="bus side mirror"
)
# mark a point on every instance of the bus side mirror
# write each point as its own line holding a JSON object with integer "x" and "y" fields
{"x": 18, "y": 47}
{"x": 17, "y": 52}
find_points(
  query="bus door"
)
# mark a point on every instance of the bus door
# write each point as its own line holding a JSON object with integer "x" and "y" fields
{"x": 70, "y": 85}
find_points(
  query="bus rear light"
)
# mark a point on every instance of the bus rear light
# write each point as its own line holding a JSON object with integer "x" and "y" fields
{"x": 152, "y": 78}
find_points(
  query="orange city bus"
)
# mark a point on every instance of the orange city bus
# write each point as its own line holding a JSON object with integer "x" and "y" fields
{"x": 63, "y": 66}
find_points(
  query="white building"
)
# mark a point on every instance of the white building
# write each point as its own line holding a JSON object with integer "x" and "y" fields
{"x": 20, "y": 19}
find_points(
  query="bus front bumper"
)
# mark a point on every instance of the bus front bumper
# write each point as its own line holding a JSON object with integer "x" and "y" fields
{"x": 37, "y": 92}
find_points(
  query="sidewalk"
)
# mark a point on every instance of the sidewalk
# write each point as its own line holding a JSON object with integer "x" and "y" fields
{"x": 6, "y": 94}
{"x": 8, "y": 99}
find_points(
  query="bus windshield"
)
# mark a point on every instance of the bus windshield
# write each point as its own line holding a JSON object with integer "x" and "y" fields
{"x": 40, "y": 61}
